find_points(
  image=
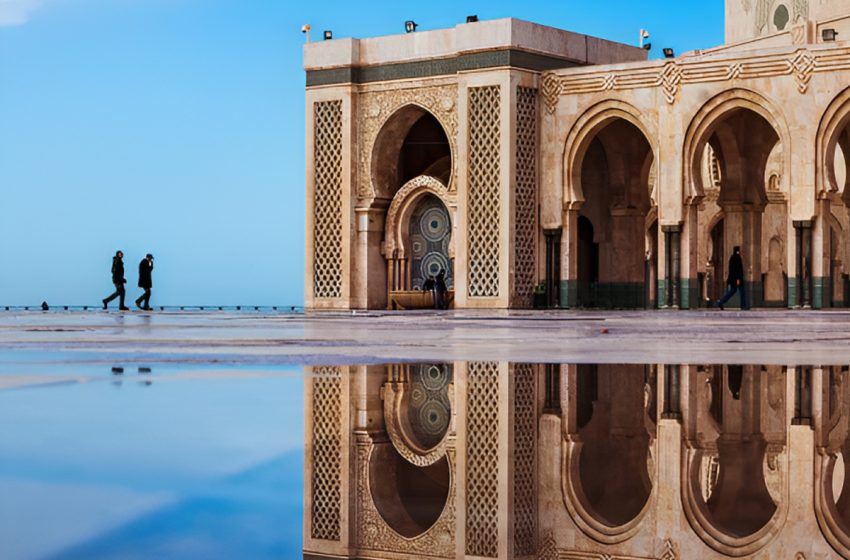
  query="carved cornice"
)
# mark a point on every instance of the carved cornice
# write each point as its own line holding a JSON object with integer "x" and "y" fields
{"x": 801, "y": 64}
{"x": 669, "y": 552}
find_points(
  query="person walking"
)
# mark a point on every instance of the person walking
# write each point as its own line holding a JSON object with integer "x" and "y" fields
{"x": 145, "y": 282}
{"x": 735, "y": 280}
{"x": 119, "y": 281}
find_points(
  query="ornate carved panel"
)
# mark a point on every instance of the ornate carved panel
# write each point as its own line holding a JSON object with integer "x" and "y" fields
{"x": 483, "y": 200}
{"x": 327, "y": 200}
{"x": 482, "y": 459}
{"x": 525, "y": 459}
{"x": 525, "y": 241}
{"x": 376, "y": 106}
{"x": 327, "y": 447}
{"x": 375, "y": 535}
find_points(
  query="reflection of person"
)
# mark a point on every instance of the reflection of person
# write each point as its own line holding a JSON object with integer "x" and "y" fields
{"x": 735, "y": 280}
{"x": 118, "y": 280}
{"x": 145, "y": 282}
{"x": 440, "y": 290}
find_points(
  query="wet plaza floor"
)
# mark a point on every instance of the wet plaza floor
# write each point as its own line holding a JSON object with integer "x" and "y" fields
{"x": 574, "y": 435}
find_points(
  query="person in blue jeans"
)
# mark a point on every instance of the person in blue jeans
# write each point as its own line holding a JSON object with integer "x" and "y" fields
{"x": 735, "y": 280}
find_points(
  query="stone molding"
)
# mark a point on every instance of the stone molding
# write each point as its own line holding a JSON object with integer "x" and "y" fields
{"x": 670, "y": 552}
{"x": 395, "y": 425}
{"x": 374, "y": 534}
{"x": 801, "y": 64}
{"x": 377, "y": 107}
{"x": 402, "y": 201}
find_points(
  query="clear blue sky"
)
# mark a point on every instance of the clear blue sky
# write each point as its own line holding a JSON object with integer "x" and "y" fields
{"x": 176, "y": 127}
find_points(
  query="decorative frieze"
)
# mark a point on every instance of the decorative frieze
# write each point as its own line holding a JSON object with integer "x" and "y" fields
{"x": 801, "y": 65}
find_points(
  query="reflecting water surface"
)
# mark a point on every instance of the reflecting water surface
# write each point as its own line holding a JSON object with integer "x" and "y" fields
{"x": 437, "y": 460}
{"x": 509, "y": 460}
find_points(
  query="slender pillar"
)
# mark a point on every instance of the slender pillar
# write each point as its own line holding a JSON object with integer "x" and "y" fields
{"x": 553, "y": 267}
{"x": 672, "y": 393}
{"x": 569, "y": 259}
{"x": 672, "y": 246}
{"x": 803, "y": 234}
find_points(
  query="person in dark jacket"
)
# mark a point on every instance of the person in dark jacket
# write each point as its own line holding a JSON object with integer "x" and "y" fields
{"x": 118, "y": 280}
{"x": 440, "y": 290}
{"x": 735, "y": 280}
{"x": 145, "y": 282}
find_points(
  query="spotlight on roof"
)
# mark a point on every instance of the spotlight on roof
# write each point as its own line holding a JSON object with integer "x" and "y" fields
{"x": 647, "y": 46}
{"x": 668, "y": 53}
{"x": 410, "y": 26}
{"x": 328, "y": 34}
{"x": 829, "y": 35}
{"x": 305, "y": 29}
{"x": 644, "y": 35}
{"x": 471, "y": 19}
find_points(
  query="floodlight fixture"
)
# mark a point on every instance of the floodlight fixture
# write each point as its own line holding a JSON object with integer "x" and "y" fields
{"x": 668, "y": 53}
{"x": 410, "y": 26}
{"x": 644, "y": 34}
{"x": 328, "y": 35}
{"x": 471, "y": 19}
{"x": 647, "y": 46}
{"x": 829, "y": 35}
{"x": 305, "y": 29}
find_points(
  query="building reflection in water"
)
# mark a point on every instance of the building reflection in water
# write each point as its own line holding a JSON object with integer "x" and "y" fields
{"x": 499, "y": 460}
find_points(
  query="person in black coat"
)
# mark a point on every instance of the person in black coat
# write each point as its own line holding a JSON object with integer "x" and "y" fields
{"x": 440, "y": 290}
{"x": 145, "y": 282}
{"x": 118, "y": 280}
{"x": 735, "y": 280}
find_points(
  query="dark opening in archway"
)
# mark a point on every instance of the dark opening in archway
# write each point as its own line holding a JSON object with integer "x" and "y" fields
{"x": 425, "y": 151}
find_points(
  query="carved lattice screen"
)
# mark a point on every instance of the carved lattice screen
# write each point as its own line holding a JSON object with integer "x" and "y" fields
{"x": 482, "y": 459}
{"x": 327, "y": 200}
{"x": 525, "y": 241}
{"x": 483, "y": 201}
{"x": 525, "y": 459}
{"x": 326, "y": 436}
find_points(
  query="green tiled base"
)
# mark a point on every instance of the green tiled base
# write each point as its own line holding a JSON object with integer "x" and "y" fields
{"x": 662, "y": 293}
{"x": 689, "y": 293}
{"x": 569, "y": 294}
{"x": 822, "y": 287}
{"x": 604, "y": 296}
{"x": 792, "y": 292}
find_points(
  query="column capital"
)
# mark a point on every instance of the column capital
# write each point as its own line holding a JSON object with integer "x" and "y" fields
{"x": 672, "y": 228}
{"x": 803, "y": 224}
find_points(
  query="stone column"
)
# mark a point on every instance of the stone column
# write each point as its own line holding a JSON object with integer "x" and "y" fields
{"x": 821, "y": 256}
{"x": 690, "y": 265}
{"x": 752, "y": 259}
{"x": 553, "y": 267}
{"x": 672, "y": 408}
{"x": 672, "y": 268}
{"x": 803, "y": 285}
{"x": 369, "y": 264}
{"x": 569, "y": 259}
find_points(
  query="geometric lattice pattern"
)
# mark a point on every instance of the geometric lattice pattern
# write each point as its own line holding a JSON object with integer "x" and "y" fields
{"x": 482, "y": 459}
{"x": 327, "y": 200}
{"x": 483, "y": 200}
{"x": 525, "y": 459}
{"x": 327, "y": 474}
{"x": 525, "y": 220}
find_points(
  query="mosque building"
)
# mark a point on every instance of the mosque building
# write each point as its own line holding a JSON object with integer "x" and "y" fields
{"x": 542, "y": 168}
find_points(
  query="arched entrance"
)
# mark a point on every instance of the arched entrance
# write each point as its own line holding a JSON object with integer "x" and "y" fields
{"x": 608, "y": 471}
{"x": 613, "y": 173}
{"x": 830, "y": 272}
{"x": 734, "y": 486}
{"x": 735, "y": 170}
{"x": 411, "y": 169}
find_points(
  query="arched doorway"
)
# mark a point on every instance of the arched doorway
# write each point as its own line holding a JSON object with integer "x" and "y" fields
{"x": 735, "y": 477}
{"x": 614, "y": 180}
{"x": 736, "y": 151}
{"x": 430, "y": 232}
{"x": 608, "y": 471}
{"x": 411, "y": 173}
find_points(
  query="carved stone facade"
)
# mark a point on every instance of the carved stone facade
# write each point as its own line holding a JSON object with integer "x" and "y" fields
{"x": 571, "y": 181}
